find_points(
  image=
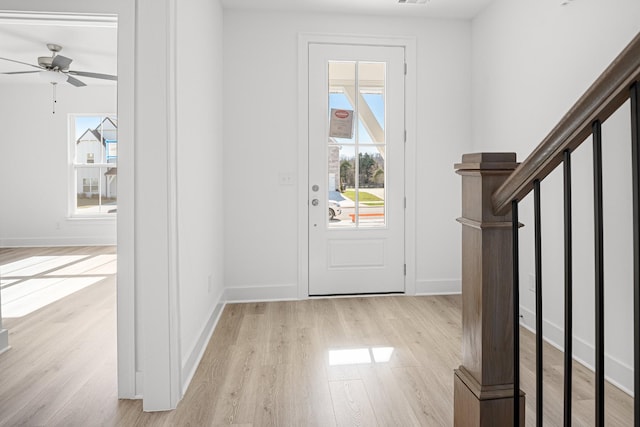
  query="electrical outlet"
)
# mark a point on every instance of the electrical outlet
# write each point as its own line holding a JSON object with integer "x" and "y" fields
{"x": 532, "y": 283}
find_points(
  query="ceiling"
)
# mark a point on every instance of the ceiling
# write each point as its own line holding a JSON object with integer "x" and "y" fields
{"x": 90, "y": 41}
{"x": 459, "y": 9}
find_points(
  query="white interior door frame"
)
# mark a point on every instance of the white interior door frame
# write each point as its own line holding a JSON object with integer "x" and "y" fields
{"x": 126, "y": 12}
{"x": 409, "y": 43}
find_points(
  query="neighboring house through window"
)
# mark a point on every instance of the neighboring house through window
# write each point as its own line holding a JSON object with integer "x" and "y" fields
{"x": 94, "y": 155}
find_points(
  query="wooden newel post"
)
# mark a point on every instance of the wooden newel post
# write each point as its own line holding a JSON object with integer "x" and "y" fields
{"x": 483, "y": 384}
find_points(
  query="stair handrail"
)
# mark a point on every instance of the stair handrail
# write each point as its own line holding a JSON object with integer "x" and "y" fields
{"x": 601, "y": 100}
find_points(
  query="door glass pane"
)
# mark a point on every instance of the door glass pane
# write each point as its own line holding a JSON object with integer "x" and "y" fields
{"x": 371, "y": 191}
{"x": 356, "y": 161}
{"x": 342, "y": 89}
{"x": 342, "y": 178}
{"x": 371, "y": 108}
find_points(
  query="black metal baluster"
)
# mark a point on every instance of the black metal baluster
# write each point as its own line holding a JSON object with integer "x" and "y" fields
{"x": 538, "y": 268}
{"x": 568, "y": 291}
{"x": 599, "y": 270}
{"x": 516, "y": 313}
{"x": 635, "y": 161}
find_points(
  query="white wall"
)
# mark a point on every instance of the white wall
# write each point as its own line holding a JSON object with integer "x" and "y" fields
{"x": 260, "y": 141}
{"x": 531, "y": 61}
{"x": 34, "y": 164}
{"x": 178, "y": 167}
{"x": 200, "y": 174}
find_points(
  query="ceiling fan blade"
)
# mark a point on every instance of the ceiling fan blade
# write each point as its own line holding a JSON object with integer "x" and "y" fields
{"x": 23, "y": 63}
{"x": 61, "y": 62}
{"x": 93, "y": 75}
{"x": 75, "y": 82}
{"x": 21, "y": 72}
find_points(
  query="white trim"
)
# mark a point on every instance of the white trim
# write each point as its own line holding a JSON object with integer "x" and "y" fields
{"x": 175, "y": 355}
{"x": 262, "y": 293}
{"x": 616, "y": 372}
{"x": 155, "y": 269}
{"x": 139, "y": 385}
{"x": 35, "y": 242}
{"x": 92, "y": 219}
{"x": 409, "y": 43}
{"x": 195, "y": 355}
{"x": 410, "y": 155}
{"x": 60, "y": 19}
{"x": 303, "y": 172}
{"x": 439, "y": 287}
{"x": 125, "y": 283}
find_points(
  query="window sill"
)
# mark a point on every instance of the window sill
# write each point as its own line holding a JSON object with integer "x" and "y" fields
{"x": 107, "y": 218}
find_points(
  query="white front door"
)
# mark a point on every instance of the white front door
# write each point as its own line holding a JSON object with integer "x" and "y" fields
{"x": 356, "y": 169}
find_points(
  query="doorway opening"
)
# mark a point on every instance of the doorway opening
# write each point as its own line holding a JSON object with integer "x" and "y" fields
{"x": 56, "y": 245}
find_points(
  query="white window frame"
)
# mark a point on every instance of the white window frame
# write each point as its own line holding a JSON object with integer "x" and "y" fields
{"x": 73, "y": 166}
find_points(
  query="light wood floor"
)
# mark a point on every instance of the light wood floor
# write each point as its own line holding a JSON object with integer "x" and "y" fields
{"x": 267, "y": 364}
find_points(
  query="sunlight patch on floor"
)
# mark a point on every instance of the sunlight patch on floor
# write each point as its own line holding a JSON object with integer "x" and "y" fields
{"x": 34, "y": 282}
{"x": 7, "y": 282}
{"x": 37, "y": 265}
{"x": 99, "y": 264}
{"x": 33, "y": 294}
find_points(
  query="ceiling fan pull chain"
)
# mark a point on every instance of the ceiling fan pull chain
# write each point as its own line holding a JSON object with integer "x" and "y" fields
{"x": 53, "y": 106}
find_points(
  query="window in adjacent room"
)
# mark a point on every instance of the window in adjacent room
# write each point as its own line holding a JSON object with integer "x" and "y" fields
{"x": 93, "y": 153}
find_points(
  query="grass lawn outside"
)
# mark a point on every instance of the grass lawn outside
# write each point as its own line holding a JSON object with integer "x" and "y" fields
{"x": 365, "y": 198}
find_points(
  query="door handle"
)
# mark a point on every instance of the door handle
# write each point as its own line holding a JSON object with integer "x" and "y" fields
{"x": 315, "y": 202}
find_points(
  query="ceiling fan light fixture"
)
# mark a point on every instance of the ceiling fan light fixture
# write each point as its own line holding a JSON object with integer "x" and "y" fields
{"x": 53, "y": 77}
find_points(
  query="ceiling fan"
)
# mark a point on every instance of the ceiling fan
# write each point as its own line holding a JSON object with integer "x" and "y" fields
{"x": 55, "y": 68}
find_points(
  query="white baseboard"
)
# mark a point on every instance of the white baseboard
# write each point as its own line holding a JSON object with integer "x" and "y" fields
{"x": 261, "y": 293}
{"x": 195, "y": 355}
{"x": 438, "y": 287}
{"x": 139, "y": 385}
{"x": 57, "y": 241}
{"x": 616, "y": 372}
{"x": 4, "y": 340}
{"x": 290, "y": 292}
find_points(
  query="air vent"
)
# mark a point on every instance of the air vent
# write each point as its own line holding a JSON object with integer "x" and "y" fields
{"x": 412, "y": 1}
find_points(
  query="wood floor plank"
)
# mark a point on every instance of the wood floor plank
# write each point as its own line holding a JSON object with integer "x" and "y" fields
{"x": 238, "y": 396}
{"x": 388, "y": 402}
{"x": 431, "y": 409}
{"x": 313, "y": 405}
{"x": 351, "y": 404}
{"x": 275, "y": 404}
{"x": 279, "y": 333}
